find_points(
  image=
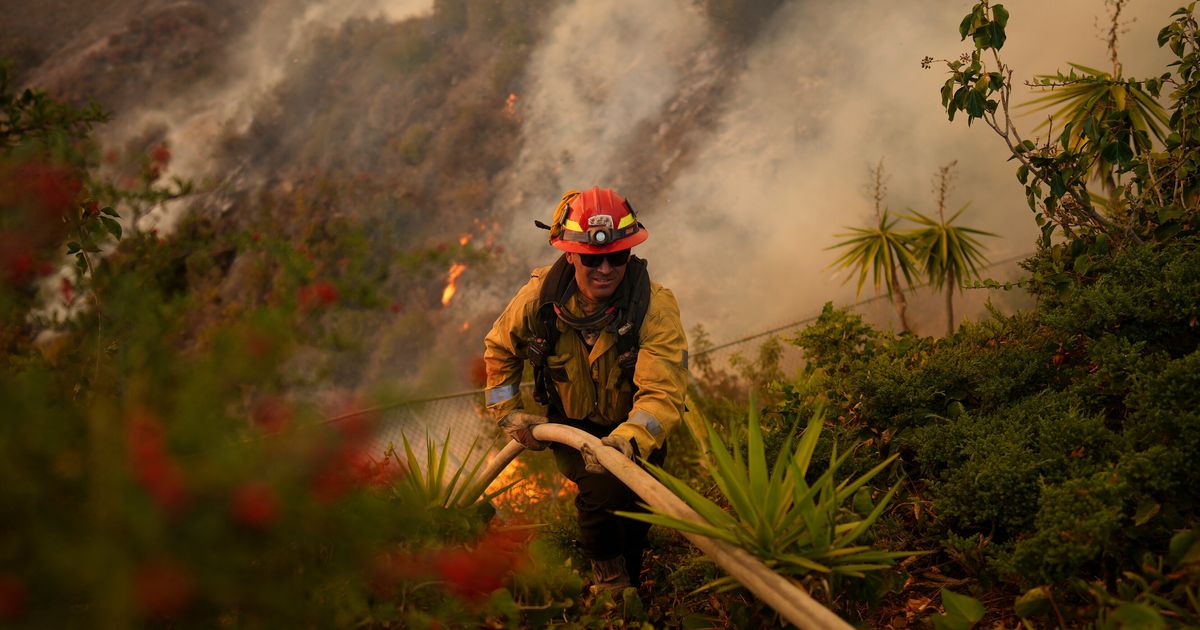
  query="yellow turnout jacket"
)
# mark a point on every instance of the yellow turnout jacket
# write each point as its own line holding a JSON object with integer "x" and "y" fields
{"x": 589, "y": 383}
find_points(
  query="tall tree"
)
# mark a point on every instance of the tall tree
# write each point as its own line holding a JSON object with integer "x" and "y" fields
{"x": 948, "y": 254}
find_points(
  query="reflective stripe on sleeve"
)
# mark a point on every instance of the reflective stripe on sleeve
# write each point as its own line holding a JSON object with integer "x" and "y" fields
{"x": 501, "y": 393}
{"x": 649, "y": 422}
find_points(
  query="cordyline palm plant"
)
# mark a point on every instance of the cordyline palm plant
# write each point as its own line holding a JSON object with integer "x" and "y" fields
{"x": 883, "y": 251}
{"x": 1102, "y": 115}
{"x": 797, "y": 528}
{"x": 949, "y": 254}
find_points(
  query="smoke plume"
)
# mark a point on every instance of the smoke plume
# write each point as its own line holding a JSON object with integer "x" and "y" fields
{"x": 827, "y": 90}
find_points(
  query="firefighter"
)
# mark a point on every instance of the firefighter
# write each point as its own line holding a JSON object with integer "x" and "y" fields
{"x": 609, "y": 357}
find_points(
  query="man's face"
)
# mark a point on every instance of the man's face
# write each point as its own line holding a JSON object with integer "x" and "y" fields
{"x": 596, "y": 283}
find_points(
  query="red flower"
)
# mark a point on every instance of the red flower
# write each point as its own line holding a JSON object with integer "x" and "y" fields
{"x": 370, "y": 472}
{"x": 272, "y": 414}
{"x": 52, "y": 187}
{"x": 474, "y": 573}
{"x": 160, "y": 154}
{"x": 38, "y": 201}
{"x": 16, "y": 262}
{"x": 464, "y": 572}
{"x": 68, "y": 292}
{"x": 162, "y": 589}
{"x": 317, "y": 294}
{"x": 356, "y": 427}
{"x": 330, "y": 483}
{"x": 152, "y": 465}
{"x": 255, "y": 505}
{"x": 259, "y": 344}
{"x": 13, "y": 597}
{"x": 91, "y": 209}
{"x": 396, "y": 566}
{"x": 352, "y": 419}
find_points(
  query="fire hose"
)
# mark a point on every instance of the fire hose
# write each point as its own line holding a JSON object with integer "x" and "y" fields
{"x": 787, "y": 597}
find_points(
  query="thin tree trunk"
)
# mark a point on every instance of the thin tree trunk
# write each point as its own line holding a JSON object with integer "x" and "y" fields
{"x": 949, "y": 309}
{"x": 900, "y": 304}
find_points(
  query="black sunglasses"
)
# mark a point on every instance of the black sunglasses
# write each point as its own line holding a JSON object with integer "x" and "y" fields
{"x": 616, "y": 259}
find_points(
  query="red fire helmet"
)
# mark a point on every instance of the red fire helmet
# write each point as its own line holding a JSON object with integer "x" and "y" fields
{"x": 595, "y": 221}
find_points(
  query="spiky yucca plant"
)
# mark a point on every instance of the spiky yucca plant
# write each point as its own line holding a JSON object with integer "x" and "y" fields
{"x": 426, "y": 483}
{"x": 795, "y": 527}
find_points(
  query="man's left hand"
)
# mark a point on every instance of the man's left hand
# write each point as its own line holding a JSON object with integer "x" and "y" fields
{"x": 592, "y": 463}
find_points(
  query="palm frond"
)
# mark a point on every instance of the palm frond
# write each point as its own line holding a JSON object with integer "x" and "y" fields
{"x": 947, "y": 253}
{"x": 880, "y": 252}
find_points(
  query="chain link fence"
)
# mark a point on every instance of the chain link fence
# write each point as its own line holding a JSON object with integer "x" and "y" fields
{"x": 925, "y": 310}
{"x": 461, "y": 419}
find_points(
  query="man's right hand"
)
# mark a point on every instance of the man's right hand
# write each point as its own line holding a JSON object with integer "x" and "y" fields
{"x": 518, "y": 426}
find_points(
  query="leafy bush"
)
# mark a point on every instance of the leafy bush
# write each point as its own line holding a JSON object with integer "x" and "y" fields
{"x": 1065, "y": 438}
{"x": 156, "y": 469}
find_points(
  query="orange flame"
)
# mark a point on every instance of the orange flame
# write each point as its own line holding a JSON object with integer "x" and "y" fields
{"x": 456, "y": 270}
{"x": 466, "y": 326}
{"x": 464, "y": 239}
{"x": 534, "y": 489}
{"x": 510, "y": 107}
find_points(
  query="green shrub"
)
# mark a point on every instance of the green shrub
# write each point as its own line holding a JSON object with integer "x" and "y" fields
{"x": 1078, "y": 525}
{"x": 1049, "y": 446}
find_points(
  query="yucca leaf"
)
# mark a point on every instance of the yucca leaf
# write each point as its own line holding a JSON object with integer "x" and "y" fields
{"x": 870, "y": 519}
{"x": 842, "y": 551}
{"x": 431, "y": 480}
{"x": 439, "y": 488}
{"x": 808, "y": 442}
{"x": 708, "y": 510}
{"x": 874, "y": 556}
{"x": 492, "y": 495}
{"x": 845, "y": 527}
{"x": 469, "y": 484}
{"x": 1092, "y": 71}
{"x": 757, "y": 458}
{"x": 813, "y": 522}
{"x": 730, "y": 478}
{"x": 682, "y": 525}
{"x": 881, "y": 251}
{"x": 718, "y": 585}
{"x": 414, "y": 467}
{"x": 778, "y": 504}
{"x": 857, "y": 569}
{"x": 806, "y": 563}
{"x": 847, "y": 489}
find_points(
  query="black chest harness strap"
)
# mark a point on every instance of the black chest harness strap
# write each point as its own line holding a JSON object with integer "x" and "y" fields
{"x": 622, "y": 316}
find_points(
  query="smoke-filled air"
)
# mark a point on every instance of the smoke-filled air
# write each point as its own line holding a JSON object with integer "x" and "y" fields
{"x": 282, "y": 342}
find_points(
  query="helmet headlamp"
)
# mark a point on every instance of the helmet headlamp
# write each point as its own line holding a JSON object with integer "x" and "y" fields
{"x": 600, "y": 229}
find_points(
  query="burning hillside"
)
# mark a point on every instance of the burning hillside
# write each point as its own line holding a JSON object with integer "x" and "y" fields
{"x": 397, "y": 122}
